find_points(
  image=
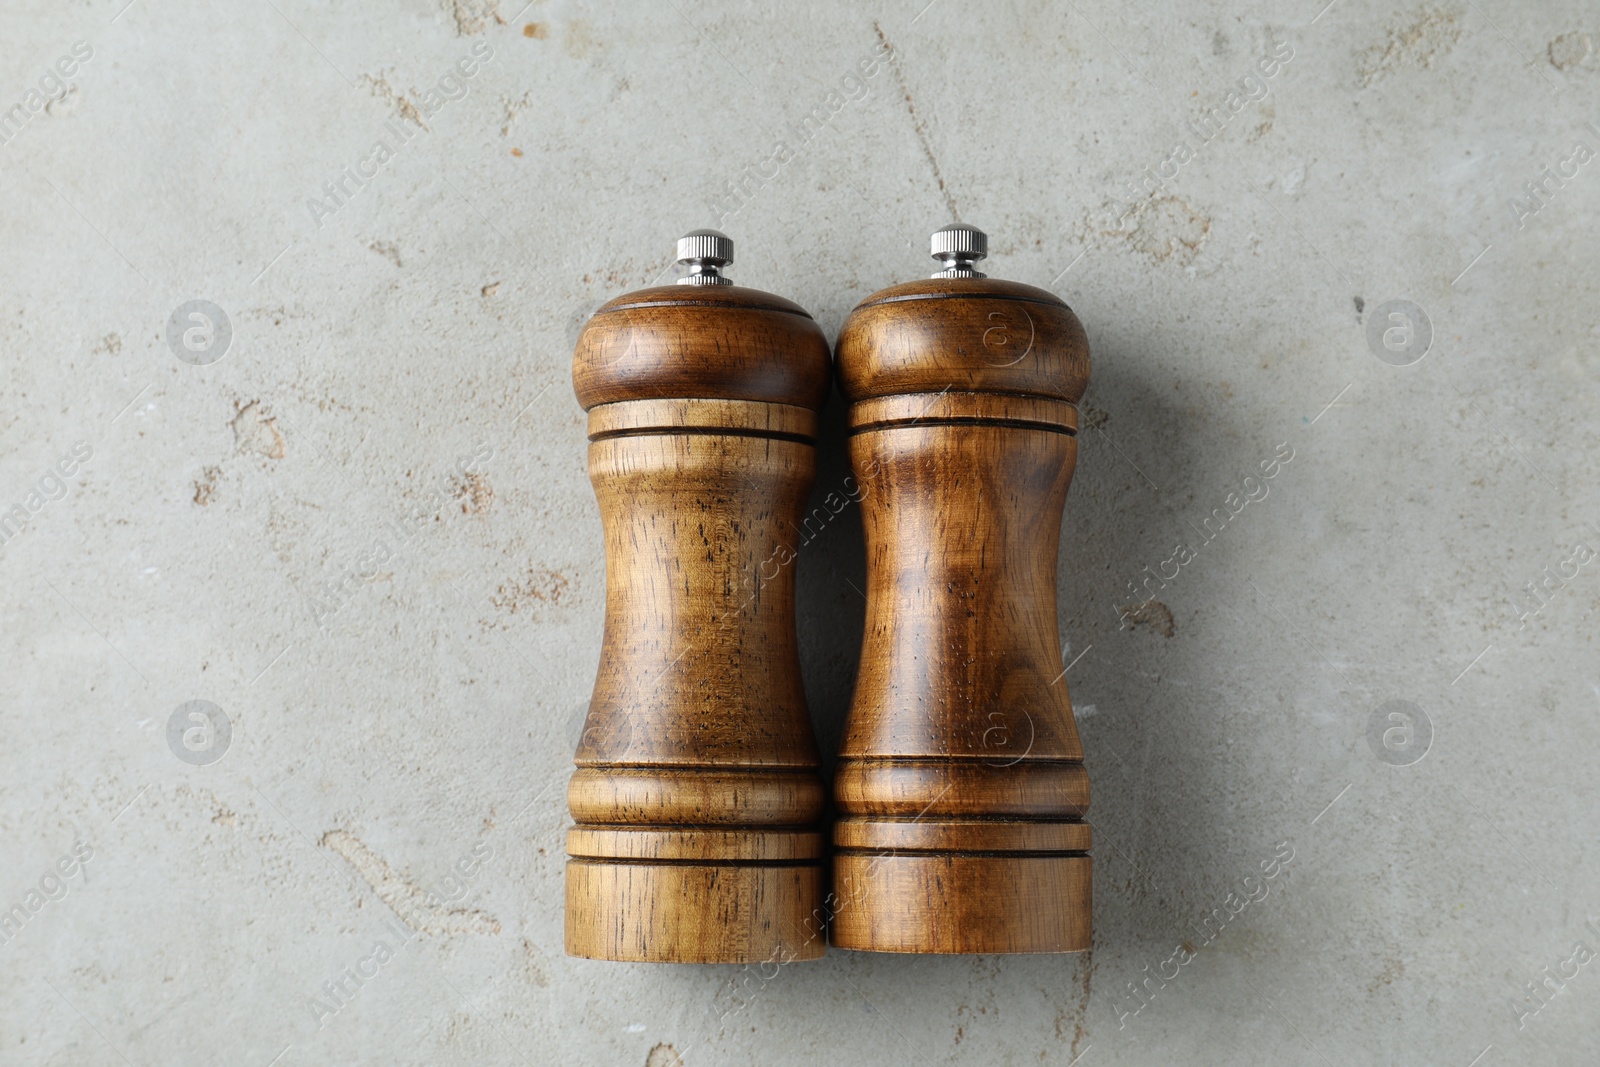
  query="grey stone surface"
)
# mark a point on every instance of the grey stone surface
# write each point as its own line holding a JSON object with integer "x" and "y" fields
{"x": 399, "y": 723}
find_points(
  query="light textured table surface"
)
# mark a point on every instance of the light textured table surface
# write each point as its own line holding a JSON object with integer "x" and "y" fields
{"x": 356, "y": 520}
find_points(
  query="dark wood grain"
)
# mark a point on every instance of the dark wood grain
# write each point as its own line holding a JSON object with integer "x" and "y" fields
{"x": 697, "y": 795}
{"x": 960, "y": 787}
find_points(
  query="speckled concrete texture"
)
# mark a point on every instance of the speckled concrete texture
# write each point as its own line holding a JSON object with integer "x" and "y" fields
{"x": 303, "y": 581}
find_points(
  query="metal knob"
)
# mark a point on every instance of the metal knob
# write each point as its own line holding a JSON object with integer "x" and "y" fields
{"x": 959, "y": 248}
{"x": 705, "y": 253}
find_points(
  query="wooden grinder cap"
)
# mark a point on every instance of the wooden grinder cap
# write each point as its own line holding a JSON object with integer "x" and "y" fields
{"x": 701, "y": 342}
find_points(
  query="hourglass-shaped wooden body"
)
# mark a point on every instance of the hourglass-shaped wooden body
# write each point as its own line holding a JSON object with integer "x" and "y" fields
{"x": 960, "y": 786}
{"x": 697, "y": 795}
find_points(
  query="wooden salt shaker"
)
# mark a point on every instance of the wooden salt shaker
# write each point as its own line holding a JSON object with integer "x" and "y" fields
{"x": 697, "y": 795}
{"x": 960, "y": 786}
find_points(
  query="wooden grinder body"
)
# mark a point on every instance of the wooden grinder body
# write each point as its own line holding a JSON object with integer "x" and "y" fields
{"x": 697, "y": 793}
{"x": 960, "y": 786}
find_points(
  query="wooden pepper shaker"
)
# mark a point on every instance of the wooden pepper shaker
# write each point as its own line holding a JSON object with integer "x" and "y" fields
{"x": 960, "y": 786}
{"x": 697, "y": 795}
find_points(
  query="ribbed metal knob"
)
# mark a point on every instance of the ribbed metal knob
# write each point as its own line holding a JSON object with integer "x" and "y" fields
{"x": 705, "y": 253}
{"x": 959, "y": 248}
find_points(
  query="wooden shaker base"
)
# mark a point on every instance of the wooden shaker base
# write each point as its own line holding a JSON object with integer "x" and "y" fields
{"x": 961, "y": 902}
{"x": 694, "y": 913}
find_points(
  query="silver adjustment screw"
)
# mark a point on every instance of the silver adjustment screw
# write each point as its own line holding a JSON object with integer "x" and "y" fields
{"x": 705, "y": 253}
{"x": 959, "y": 248}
